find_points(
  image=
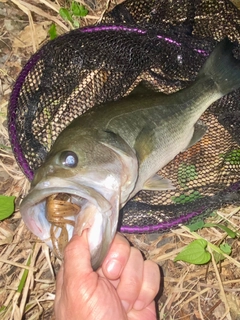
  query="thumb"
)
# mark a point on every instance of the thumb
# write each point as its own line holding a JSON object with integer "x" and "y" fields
{"x": 77, "y": 258}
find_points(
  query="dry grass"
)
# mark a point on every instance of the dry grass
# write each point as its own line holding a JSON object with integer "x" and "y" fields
{"x": 196, "y": 292}
{"x": 189, "y": 292}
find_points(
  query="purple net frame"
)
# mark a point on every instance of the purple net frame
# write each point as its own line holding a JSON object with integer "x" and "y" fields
{"x": 13, "y": 104}
{"x": 173, "y": 223}
{"x": 21, "y": 159}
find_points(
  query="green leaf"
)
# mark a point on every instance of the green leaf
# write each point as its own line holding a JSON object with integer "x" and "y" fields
{"x": 52, "y": 31}
{"x": 6, "y": 206}
{"x": 65, "y": 14}
{"x": 232, "y": 234}
{"x": 78, "y": 10}
{"x": 2, "y": 146}
{"x": 213, "y": 214}
{"x": 2, "y": 308}
{"x": 76, "y": 23}
{"x": 218, "y": 257}
{"x": 196, "y": 226}
{"x": 24, "y": 277}
{"x": 74, "y": 7}
{"x": 226, "y": 248}
{"x": 195, "y": 253}
{"x": 84, "y": 11}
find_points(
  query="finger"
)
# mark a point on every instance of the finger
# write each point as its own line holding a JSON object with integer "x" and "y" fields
{"x": 79, "y": 279}
{"x": 131, "y": 279}
{"x": 150, "y": 285}
{"x": 117, "y": 258}
{"x": 148, "y": 313}
{"x": 77, "y": 260}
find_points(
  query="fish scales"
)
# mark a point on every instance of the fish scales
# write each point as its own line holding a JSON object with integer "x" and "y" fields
{"x": 153, "y": 125}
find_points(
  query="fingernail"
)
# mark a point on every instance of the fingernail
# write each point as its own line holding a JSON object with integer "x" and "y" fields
{"x": 125, "y": 305}
{"x": 114, "y": 267}
{"x": 138, "y": 305}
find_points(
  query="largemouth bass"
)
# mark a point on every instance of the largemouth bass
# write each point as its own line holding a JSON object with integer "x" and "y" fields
{"x": 107, "y": 155}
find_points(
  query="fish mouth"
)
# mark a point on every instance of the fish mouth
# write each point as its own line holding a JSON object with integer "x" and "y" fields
{"x": 54, "y": 214}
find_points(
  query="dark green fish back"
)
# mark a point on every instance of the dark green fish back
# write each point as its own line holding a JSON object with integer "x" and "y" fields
{"x": 162, "y": 44}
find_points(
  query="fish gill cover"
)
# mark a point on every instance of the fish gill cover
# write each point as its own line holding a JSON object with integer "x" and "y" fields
{"x": 162, "y": 44}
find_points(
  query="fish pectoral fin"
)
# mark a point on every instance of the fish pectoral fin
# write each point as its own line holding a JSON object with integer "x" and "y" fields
{"x": 128, "y": 157}
{"x": 200, "y": 128}
{"x": 145, "y": 143}
{"x": 158, "y": 183}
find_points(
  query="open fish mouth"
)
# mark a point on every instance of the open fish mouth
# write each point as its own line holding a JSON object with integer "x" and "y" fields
{"x": 55, "y": 214}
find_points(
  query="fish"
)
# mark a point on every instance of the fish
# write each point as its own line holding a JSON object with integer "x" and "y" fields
{"x": 106, "y": 156}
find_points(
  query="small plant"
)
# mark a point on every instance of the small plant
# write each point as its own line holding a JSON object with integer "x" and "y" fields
{"x": 24, "y": 276}
{"x": 73, "y": 14}
{"x": 52, "y": 31}
{"x": 200, "y": 224}
{"x": 6, "y": 206}
{"x": 196, "y": 252}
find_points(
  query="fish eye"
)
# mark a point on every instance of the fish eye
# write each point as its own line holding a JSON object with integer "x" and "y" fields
{"x": 69, "y": 159}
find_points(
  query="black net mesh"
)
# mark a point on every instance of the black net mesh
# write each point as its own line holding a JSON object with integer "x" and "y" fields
{"x": 162, "y": 44}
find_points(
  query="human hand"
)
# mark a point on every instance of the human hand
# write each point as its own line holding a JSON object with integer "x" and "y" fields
{"x": 124, "y": 287}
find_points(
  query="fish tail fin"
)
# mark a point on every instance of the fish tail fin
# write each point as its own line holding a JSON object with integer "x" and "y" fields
{"x": 222, "y": 67}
